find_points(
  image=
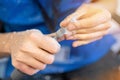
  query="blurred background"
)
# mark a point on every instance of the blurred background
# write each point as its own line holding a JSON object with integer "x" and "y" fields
{"x": 110, "y": 70}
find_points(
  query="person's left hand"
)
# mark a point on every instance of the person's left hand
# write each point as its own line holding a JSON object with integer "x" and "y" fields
{"x": 88, "y": 23}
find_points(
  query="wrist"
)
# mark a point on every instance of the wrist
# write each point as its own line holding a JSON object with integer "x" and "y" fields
{"x": 8, "y": 42}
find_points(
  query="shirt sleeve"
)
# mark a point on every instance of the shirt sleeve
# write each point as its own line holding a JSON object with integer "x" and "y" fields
{"x": 20, "y": 12}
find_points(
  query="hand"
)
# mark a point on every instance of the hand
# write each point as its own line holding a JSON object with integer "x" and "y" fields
{"x": 31, "y": 51}
{"x": 88, "y": 23}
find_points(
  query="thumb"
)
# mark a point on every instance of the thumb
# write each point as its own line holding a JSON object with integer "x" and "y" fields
{"x": 73, "y": 17}
{"x": 51, "y": 35}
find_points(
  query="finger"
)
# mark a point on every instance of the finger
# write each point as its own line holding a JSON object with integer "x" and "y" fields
{"x": 92, "y": 21}
{"x": 51, "y": 35}
{"x": 30, "y": 61}
{"x": 37, "y": 53}
{"x": 100, "y": 27}
{"x": 25, "y": 68}
{"x": 76, "y": 15}
{"x": 79, "y": 42}
{"x": 46, "y": 43}
{"x": 89, "y": 36}
{"x": 40, "y": 55}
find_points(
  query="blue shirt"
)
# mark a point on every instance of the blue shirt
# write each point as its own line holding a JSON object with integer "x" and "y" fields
{"x": 20, "y": 15}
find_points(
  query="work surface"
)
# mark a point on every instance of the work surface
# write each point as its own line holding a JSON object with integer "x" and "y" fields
{"x": 108, "y": 68}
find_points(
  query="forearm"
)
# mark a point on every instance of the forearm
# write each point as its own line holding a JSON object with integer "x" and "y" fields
{"x": 5, "y": 41}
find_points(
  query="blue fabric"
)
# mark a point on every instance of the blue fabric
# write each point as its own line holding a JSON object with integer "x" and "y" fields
{"x": 20, "y": 15}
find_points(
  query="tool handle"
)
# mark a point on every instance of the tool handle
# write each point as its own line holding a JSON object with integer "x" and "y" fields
{"x": 18, "y": 75}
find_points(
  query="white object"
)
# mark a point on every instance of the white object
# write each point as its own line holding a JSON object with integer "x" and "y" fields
{"x": 118, "y": 8}
{"x": 74, "y": 19}
{"x": 61, "y": 32}
{"x": 63, "y": 55}
{"x": 115, "y": 31}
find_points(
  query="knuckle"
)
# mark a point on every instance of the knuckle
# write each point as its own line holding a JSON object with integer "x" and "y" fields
{"x": 87, "y": 42}
{"x": 84, "y": 31}
{"x": 50, "y": 59}
{"x": 42, "y": 67}
{"x": 23, "y": 68}
{"x": 108, "y": 25}
{"x": 96, "y": 29}
{"x": 77, "y": 25}
{"x": 70, "y": 16}
{"x": 24, "y": 47}
{"x": 100, "y": 33}
{"x": 95, "y": 34}
{"x": 76, "y": 37}
{"x": 56, "y": 49}
{"x": 90, "y": 23}
{"x": 106, "y": 32}
{"x": 84, "y": 42}
{"x": 19, "y": 57}
{"x": 28, "y": 70}
{"x": 31, "y": 72}
{"x": 32, "y": 35}
{"x": 15, "y": 64}
{"x": 84, "y": 23}
{"x": 83, "y": 36}
{"x": 106, "y": 15}
{"x": 92, "y": 35}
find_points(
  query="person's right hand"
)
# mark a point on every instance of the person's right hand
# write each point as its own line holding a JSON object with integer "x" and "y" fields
{"x": 31, "y": 51}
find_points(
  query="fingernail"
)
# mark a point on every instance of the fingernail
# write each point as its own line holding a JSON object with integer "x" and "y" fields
{"x": 67, "y": 36}
{"x": 75, "y": 45}
{"x": 70, "y": 38}
{"x": 73, "y": 32}
{"x": 74, "y": 19}
{"x": 62, "y": 24}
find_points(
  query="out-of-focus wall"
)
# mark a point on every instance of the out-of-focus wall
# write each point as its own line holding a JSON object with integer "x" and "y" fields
{"x": 109, "y": 4}
{"x": 116, "y": 15}
{"x": 118, "y": 8}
